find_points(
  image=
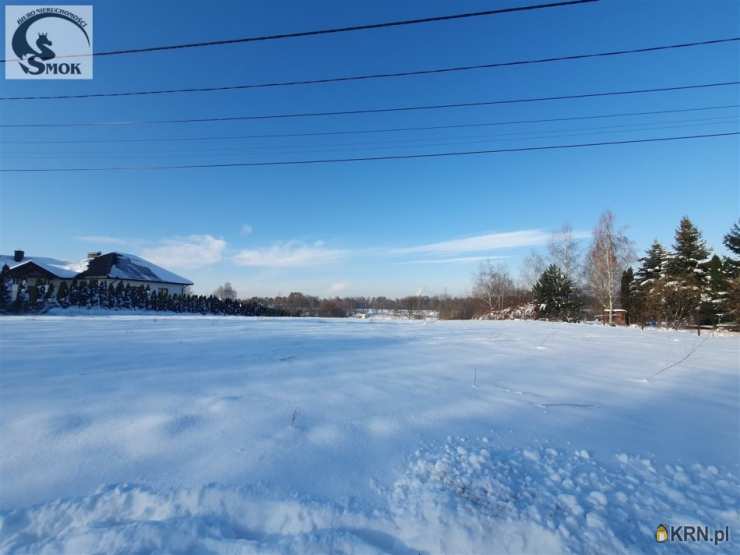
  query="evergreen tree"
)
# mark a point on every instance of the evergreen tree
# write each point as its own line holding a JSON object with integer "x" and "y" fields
{"x": 21, "y": 297}
{"x": 5, "y": 288}
{"x": 625, "y": 292}
{"x": 162, "y": 300}
{"x": 49, "y": 295}
{"x": 33, "y": 294}
{"x": 686, "y": 281}
{"x": 714, "y": 307}
{"x": 112, "y": 300}
{"x": 121, "y": 295}
{"x": 93, "y": 298}
{"x": 83, "y": 294}
{"x": 689, "y": 249}
{"x": 652, "y": 265}
{"x": 732, "y": 239}
{"x": 732, "y": 270}
{"x": 103, "y": 294}
{"x": 554, "y": 294}
{"x": 63, "y": 295}
{"x": 647, "y": 289}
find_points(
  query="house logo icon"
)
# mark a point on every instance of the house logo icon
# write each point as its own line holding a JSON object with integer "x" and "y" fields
{"x": 661, "y": 533}
{"x": 48, "y": 42}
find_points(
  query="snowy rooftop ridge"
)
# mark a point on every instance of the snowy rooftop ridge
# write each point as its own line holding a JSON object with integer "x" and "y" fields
{"x": 114, "y": 265}
{"x": 118, "y": 265}
{"x": 61, "y": 268}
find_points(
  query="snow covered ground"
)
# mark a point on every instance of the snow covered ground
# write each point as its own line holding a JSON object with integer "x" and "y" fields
{"x": 141, "y": 434}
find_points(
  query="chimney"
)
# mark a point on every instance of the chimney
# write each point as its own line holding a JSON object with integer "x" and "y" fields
{"x": 18, "y": 256}
{"x": 93, "y": 254}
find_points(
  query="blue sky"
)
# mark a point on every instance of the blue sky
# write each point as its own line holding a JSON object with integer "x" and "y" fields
{"x": 374, "y": 228}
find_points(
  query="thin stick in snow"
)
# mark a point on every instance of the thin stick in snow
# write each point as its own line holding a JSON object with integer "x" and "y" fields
{"x": 475, "y": 378}
{"x": 293, "y": 418}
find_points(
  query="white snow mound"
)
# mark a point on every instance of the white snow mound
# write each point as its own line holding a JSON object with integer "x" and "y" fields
{"x": 463, "y": 497}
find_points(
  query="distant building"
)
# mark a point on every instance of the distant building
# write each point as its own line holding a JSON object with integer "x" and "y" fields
{"x": 114, "y": 267}
{"x": 619, "y": 316}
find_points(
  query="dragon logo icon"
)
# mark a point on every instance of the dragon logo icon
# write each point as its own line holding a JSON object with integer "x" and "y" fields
{"x": 39, "y": 59}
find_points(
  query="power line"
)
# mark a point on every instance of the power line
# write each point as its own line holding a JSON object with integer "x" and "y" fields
{"x": 330, "y": 31}
{"x": 387, "y": 145}
{"x": 374, "y": 110}
{"x": 348, "y": 78}
{"x": 368, "y": 158}
{"x": 373, "y": 131}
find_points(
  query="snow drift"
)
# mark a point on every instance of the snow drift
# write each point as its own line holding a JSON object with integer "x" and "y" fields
{"x": 140, "y": 434}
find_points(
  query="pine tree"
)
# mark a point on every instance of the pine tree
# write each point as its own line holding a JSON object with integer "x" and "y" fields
{"x": 21, "y": 297}
{"x": 732, "y": 269}
{"x": 163, "y": 300}
{"x": 689, "y": 249}
{"x": 652, "y": 265}
{"x": 120, "y": 296}
{"x": 111, "y": 296}
{"x": 555, "y": 296}
{"x": 93, "y": 299}
{"x": 714, "y": 307}
{"x": 83, "y": 294}
{"x": 34, "y": 292}
{"x": 686, "y": 283}
{"x": 732, "y": 239}
{"x": 63, "y": 295}
{"x": 625, "y": 292}
{"x": 5, "y": 285}
{"x": 647, "y": 289}
{"x": 103, "y": 294}
{"x": 49, "y": 295}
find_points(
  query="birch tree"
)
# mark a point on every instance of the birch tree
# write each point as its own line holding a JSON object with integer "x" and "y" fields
{"x": 531, "y": 269}
{"x": 564, "y": 252}
{"x": 610, "y": 253}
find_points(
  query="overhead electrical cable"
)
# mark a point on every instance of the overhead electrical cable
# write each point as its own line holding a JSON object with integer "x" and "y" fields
{"x": 408, "y": 143}
{"x": 372, "y": 110}
{"x": 367, "y": 158}
{"x": 347, "y": 78}
{"x": 370, "y": 131}
{"x": 328, "y": 31}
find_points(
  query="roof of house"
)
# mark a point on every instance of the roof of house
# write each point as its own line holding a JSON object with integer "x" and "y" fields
{"x": 117, "y": 265}
{"x": 60, "y": 268}
{"x": 114, "y": 265}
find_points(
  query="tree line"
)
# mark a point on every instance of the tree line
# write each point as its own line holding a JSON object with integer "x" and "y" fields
{"x": 684, "y": 285}
{"x": 299, "y": 304}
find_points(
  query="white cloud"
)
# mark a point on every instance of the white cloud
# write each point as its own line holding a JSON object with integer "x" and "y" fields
{"x": 287, "y": 255}
{"x": 102, "y": 240}
{"x": 246, "y": 230}
{"x": 193, "y": 251}
{"x": 456, "y": 260}
{"x": 480, "y": 243}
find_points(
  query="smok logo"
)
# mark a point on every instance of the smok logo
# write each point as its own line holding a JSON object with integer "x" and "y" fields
{"x": 48, "y": 42}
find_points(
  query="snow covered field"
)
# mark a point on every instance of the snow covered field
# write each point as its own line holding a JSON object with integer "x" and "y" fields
{"x": 139, "y": 434}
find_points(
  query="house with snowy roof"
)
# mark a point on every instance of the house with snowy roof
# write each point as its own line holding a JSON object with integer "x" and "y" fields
{"x": 112, "y": 267}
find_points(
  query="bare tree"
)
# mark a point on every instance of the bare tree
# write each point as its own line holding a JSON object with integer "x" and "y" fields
{"x": 225, "y": 291}
{"x": 610, "y": 253}
{"x": 565, "y": 253}
{"x": 531, "y": 269}
{"x": 493, "y": 285}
